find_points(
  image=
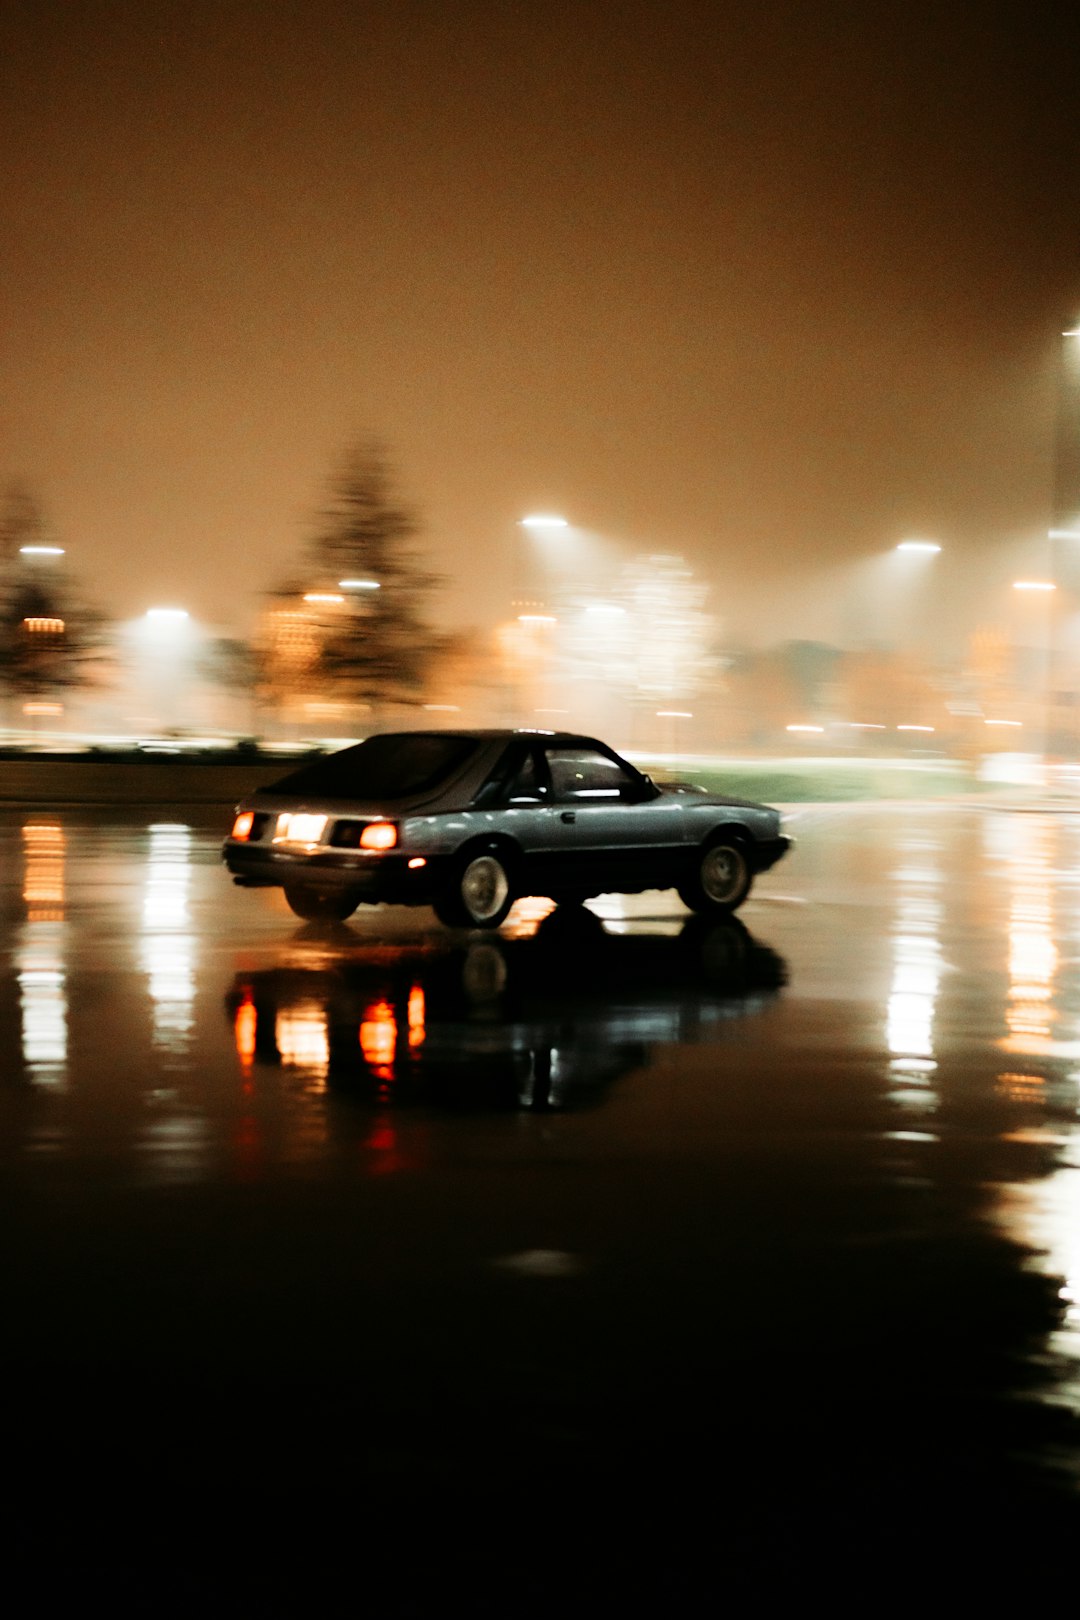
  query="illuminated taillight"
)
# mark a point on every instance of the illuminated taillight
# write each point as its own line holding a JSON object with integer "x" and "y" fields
{"x": 243, "y": 824}
{"x": 378, "y": 835}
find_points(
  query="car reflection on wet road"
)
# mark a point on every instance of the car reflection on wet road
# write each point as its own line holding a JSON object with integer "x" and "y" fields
{"x": 613, "y": 1248}
{"x": 545, "y": 1021}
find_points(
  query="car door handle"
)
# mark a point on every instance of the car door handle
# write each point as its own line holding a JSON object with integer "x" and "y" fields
{"x": 568, "y": 815}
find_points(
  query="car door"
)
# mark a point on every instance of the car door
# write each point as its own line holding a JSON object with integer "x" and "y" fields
{"x": 605, "y": 828}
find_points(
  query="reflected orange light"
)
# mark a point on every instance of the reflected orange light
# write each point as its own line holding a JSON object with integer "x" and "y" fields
{"x": 378, "y": 1039}
{"x": 245, "y": 1025}
{"x": 526, "y": 915}
{"x": 381, "y": 1143}
{"x": 303, "y": 1038}
{"x": 43, "y": 880}
{"x": 1021, "y": 1087}
{"x": 1030, "y": 1013}
{"x": 416, "y": 1015}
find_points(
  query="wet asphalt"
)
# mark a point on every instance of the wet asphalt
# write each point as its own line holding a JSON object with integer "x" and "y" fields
{"x": 611, "y": 1259}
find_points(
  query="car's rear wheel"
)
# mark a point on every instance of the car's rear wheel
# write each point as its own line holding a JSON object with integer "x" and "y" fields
{"x": 721, "y": 877}
{"x": 478, "y": 895}
{"x": 317, "y": 906}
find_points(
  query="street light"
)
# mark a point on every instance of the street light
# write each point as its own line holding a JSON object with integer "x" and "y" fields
{"x": 162, "y": 646}
{"x": 929, "y": 546}
{"x": 1045, "y": 588}
{"x": 41, "y": 551}
{"x": 543, "y": 521}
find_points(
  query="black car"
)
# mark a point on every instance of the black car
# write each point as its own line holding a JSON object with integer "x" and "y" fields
{"x": 468, "y": 821}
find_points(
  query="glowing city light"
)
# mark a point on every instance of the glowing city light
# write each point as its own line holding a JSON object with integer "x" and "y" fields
{"x": 918, "y": 545}
{"x": 1034, "y": 585}
{"x": 541, "y": 520}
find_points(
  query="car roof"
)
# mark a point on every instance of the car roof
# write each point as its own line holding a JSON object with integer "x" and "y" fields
{"x": 501, "y": 734}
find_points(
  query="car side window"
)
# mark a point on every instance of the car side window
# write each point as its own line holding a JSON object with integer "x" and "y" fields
{"x": 586, "y": 775}
{"x": 526, "y": 784}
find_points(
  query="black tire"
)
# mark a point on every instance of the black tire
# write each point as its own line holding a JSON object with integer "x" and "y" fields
{"x": 480, "y": 893}
{"x": 484, "y": 972}
{"x": 720, "y": 947}
{"x": 721, "y": 878}
{"x": 315, "y": 906}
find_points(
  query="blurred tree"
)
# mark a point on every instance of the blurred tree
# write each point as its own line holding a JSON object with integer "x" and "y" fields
{"x": 231, "y": 668}
{"x": 50, "y": 638}
{"x": 367, "y": 641}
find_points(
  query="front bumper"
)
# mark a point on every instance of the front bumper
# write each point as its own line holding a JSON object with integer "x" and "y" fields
{"x": 767, "y": 851}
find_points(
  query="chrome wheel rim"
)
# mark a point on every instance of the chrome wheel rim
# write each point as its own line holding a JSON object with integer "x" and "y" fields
{"x": 722, "y": 872}
{"x": 484, "y": 887}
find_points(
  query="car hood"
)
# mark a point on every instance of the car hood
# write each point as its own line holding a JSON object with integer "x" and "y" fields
{"x": 721, "y": 801}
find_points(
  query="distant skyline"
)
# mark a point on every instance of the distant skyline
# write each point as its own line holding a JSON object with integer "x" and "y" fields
{"x": 771, "y": 287}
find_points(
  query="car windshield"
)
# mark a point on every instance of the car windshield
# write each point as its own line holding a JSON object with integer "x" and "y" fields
{"x": 394, "y": 766}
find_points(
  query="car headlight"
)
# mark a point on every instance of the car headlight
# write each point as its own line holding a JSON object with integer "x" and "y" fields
{"x": 299, "y": 828}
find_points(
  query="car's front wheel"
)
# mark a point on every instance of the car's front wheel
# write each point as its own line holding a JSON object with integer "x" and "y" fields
{"x": 721, "y": 878}
{"x": 316, "y": 906}
{"x": 478, "y": 895}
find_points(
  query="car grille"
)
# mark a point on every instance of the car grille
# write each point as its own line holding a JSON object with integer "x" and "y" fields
{"x": 346, "y": 834}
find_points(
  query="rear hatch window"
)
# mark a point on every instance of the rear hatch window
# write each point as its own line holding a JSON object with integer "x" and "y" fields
{"x": 395, "y": 766}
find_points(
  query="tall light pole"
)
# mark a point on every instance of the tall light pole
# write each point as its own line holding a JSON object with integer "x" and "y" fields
{"x": 1064, "y": 532}
{"x": 531, "y": 624}
{"x": 909, "y": 589}
{"x": 163, "y": 644}
{"x": 537, "y": 523}
{"x": 1047, "y": 590}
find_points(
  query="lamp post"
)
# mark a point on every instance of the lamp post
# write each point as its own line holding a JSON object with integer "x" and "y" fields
{"x": 1046, "y": 590}
{"x": 531, "y": 624}
{"x": 525, "y": 597}
{"x": 164, "y": 645}
{"x": 1064, "y": 530}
